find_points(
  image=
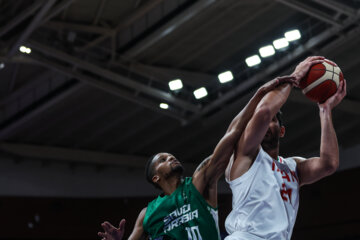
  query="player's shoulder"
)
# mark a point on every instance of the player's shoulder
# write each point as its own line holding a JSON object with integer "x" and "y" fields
{"x": 298, "y": 159}
{"x": 143, "y": 211}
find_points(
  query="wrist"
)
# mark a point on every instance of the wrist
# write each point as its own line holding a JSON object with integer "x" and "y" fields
{"x": 261, "y": 92}
{"x": 324, "y": 110}
{"x": 297, "y": 77}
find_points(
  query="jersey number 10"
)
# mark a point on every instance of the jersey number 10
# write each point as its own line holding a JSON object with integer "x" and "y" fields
{"x": 193, "y": 233}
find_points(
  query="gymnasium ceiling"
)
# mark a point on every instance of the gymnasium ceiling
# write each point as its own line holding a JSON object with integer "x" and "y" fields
{"x": 90, "y": 89}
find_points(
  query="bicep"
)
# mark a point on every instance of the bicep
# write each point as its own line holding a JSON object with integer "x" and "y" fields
{"x": 310, "y": 170}
{"x": 138, "y": 231}
{"x": 214, "y": 166}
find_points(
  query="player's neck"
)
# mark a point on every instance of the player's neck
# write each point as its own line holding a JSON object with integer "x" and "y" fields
{"x": 274, "y": 153}
{"x": 271, "y": 150}
{"x": 171, "y": 184}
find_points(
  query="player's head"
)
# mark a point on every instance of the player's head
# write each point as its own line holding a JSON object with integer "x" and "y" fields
{"x": 162, "y": 166}
{"x": 275, "y": 131}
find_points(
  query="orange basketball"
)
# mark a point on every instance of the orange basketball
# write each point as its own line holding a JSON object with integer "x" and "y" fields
{"x": 322, "y": 81}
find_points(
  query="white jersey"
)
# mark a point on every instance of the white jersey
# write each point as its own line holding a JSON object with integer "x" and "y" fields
{"x": 265, "y": 200}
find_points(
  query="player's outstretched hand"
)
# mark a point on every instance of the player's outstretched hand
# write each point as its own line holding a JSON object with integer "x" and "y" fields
{"x": 303, "y": 67}
{"x": 111, "y": 232}
{"x": 335, "y": 99}
{"x": 271, "y": 85}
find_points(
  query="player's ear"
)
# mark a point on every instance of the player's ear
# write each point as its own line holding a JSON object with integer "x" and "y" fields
{"x": 282, "y": 131}
{"x": 155, "y": 178}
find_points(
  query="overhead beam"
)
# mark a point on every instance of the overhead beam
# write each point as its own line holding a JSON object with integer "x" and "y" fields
{"x": 168, "y": 28}
{"x": 57, "y": 25}
{"x": 99, "y": 12}
{"x": 79, "y": 126}
{"x": 114, "y": 77}
{"x": 224, "y": 35}
{"x": 72, "y": 155}
{"x": 31, "y": 27}
{"x": 106, "y": 86}
{"x": 123, "y": 24}
{"x": 17, "y": 123}
{"x": 163, "y": 74}
{"x": 301, "y": 7}
{"x": 25, "y": 89}
{"x": 20, "y": 17}
{"x": 64, "y": 4}
{"x": 338, "y": 7}
{"x": 190, "y": 35}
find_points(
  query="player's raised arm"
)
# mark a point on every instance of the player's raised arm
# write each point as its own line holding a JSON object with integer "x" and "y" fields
{"x": 313, "y": 169}
{"x": 213, "y": 167}
{"x": 113, "y": 233}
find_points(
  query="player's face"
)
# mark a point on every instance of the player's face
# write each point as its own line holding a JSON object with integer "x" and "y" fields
{"x": 166, "y": 165}
{"x": 274, "y": 132}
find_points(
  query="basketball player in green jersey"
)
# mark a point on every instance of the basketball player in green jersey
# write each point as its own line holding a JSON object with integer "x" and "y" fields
{"x": 188, "y": 208}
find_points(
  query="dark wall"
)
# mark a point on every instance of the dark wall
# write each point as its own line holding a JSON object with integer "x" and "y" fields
{"x": 329, "y": 209}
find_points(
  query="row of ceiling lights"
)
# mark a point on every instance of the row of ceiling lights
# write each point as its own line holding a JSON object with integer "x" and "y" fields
{"x": 227, "y": 76}
{"x": 266, "y": 51}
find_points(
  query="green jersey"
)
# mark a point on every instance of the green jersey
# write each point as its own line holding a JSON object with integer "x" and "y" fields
{"x": 184, "y": 214}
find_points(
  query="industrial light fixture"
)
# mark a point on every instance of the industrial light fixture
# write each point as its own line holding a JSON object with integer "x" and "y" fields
{"x": 280, "y": 43}
{"x": 175, "y": 84}
{"x": 24, "y": 49}
{"x": 164, "y": 105}
{"x": 253, "y": 60}
{"x": 200, "y": 93}
{"x": 292, "y": 35}
{"x": 225, "y": 77}
{"x": 267, "y": 51}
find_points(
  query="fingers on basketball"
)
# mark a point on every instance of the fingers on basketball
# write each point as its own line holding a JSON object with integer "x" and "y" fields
{"x": 312, "y": 58}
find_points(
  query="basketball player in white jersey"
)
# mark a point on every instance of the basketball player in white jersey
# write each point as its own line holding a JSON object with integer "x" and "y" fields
{"x": 265, "y": 186}
{"x": 162, "y": 174}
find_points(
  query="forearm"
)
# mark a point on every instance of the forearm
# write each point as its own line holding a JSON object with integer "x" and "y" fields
{"x": 275, "y": 99}
{"x": 329, "y": 149}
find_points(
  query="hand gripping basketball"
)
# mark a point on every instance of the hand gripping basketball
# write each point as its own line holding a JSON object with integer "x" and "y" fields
{"x": 303, "y": 68}
{"x": 335, "y": 99}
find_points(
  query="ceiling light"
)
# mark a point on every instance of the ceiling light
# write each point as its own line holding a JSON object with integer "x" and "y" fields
{"x": 280, "y": 43}
{"x": 292, "y": 35}
{"x": 175, "y": 84}
{"x": 267, "y": 51}
{"x": 253, "y": 60}
{"x": 24, "y": 49}
{"x": 200, "y": 93}
{"x": 225, "y": 77}
{"x": 2, "y": 65}
{"x": 164, "y": 106}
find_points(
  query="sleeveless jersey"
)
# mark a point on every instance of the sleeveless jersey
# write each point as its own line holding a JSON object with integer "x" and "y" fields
{"x": 265, "y": 200}
{"x": 184, "y": 214}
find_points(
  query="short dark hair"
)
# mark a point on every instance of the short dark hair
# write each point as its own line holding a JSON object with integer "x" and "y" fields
{"x": 279, "y": 116}
{"x": 149, "y": 171}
